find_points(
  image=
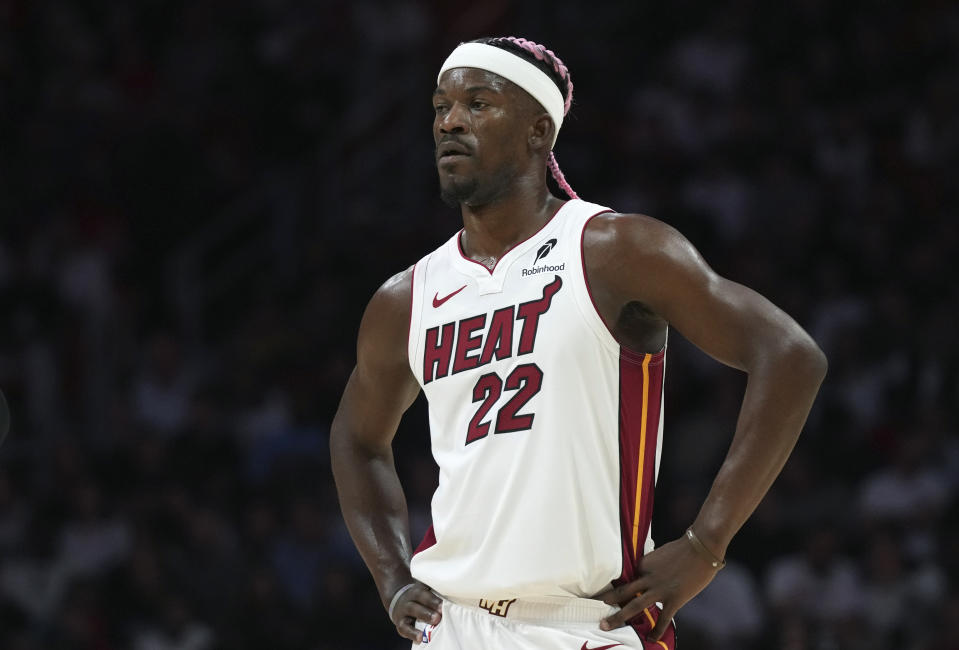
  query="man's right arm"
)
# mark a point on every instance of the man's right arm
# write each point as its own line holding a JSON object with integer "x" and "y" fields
{"x": 379, "y": 391}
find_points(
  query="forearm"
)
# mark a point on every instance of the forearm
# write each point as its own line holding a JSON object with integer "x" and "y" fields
{"x": 780, "y": 392}
{"x": 374, "y": 507}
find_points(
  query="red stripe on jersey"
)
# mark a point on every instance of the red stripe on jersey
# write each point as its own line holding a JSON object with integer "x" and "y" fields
{"x": 582, "y": 259}
{"x": 640, "y": 398}
{"x": 429, "y": 539}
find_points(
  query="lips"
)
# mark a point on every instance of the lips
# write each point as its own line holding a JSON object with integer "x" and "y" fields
{"x": 451, "y": 150}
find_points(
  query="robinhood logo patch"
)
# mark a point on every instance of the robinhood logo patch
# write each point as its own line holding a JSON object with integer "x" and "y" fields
{"x": 540, "y": 254}
{"x": 544, "y": 250}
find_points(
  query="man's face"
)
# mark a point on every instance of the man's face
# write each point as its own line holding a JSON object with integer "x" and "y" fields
{"x": 480, "y": 128}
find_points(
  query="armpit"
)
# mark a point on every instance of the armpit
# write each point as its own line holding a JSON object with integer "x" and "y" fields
{"x": 639, "y": 328}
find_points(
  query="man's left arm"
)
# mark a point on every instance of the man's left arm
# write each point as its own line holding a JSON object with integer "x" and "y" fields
{"x": 637, "y": 258}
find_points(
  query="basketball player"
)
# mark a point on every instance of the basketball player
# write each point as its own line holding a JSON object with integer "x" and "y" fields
{"x": 538, "y": 334}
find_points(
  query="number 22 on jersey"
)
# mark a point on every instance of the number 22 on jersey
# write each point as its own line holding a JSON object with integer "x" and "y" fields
{"x": 526, "y": 380}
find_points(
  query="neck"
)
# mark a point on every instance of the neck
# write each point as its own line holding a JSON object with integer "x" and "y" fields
{"x": 494, "y": 228}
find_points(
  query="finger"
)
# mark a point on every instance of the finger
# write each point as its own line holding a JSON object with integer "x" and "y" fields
{"x": 428, "y": 598}
{"x": 631, "y": 609}
{"x": 420, "y": 612}
{"x": 422, "y": 597}
{"x": 428, "y": 601}
{"x": 608, "y": 596}
{"x": 662, "y": 624}
{"x": 623, "y": 593}
{"x": 407, "y": 631}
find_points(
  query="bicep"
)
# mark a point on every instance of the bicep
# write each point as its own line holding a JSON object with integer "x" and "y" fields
{"x": 730, "y": 322}
{"x": 372, "y": 405}
{"x": 727, "y": 320}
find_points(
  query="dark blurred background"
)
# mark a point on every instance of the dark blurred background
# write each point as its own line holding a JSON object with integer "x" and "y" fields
{"x": 198, "y": 198}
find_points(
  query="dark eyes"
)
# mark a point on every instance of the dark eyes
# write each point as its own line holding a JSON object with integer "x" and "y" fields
{"x": 475, "y": 105}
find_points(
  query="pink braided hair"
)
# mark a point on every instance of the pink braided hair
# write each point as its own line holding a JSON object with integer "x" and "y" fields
{"x": 547, "y": 56}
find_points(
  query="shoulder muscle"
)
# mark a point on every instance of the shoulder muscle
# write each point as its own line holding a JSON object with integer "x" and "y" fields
{"x": 637, "y": 257}
{"x": 384, "y": 330}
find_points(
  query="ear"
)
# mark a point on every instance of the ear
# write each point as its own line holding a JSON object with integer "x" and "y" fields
{"x": 541, "y": 132}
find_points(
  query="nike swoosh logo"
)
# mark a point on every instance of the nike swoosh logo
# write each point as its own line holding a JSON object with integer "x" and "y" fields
{"x": 437, "y": 301}
{"x": 600, "y": 647}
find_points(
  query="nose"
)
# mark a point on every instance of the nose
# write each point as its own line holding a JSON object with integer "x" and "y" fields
{"x": 455, "y": 120}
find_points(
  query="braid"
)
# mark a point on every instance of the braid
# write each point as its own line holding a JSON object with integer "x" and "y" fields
{"x": 547, "y": 56}
{"x": 559, "y": 177}
{"x": 551, "y": 64}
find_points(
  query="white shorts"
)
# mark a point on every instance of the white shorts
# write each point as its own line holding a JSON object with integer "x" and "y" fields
{"x": 545, "y": 623}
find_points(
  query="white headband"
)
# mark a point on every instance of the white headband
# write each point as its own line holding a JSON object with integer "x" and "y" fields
{"x": 510, "y": 66}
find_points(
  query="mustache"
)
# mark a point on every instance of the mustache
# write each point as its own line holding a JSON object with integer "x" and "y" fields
{"x": 451, "y": 142}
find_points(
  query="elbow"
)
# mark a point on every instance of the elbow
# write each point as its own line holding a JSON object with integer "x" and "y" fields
{"x": 349, "y": 445}
{"x": 804, "y": 356}
{"x": 822, "y": 361}
{"x": 814, "y": 356}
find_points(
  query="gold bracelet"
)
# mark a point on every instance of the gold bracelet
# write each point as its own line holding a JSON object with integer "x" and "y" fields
{"x": 715, "y": 562}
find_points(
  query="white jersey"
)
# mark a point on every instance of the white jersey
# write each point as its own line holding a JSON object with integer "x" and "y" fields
{"x": 546, "y": 431}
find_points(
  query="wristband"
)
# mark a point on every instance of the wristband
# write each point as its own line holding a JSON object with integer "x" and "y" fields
{"x": 396, "y": 597}
{"x": 715, "y": 562}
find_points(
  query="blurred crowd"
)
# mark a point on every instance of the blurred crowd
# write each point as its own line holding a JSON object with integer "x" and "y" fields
{"x": 198, "y": 198}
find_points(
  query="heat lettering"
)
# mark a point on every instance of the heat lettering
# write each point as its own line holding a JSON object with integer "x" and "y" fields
{"x": 436, "y": 360}
{"x": 495, "y": 340}
{"x": 499, "y": 339}
{"x": 466, "y": 342}
{"x": 530, "y": 312}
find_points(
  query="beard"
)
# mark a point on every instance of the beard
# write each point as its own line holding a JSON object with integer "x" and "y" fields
{"x": 469, "y": 191}
{"x": 455, "y": 192}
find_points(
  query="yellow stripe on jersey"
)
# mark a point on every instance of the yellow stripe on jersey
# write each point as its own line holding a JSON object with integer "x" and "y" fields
{"x": 653, "y": 623}
{"x": 642, "y": 454}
